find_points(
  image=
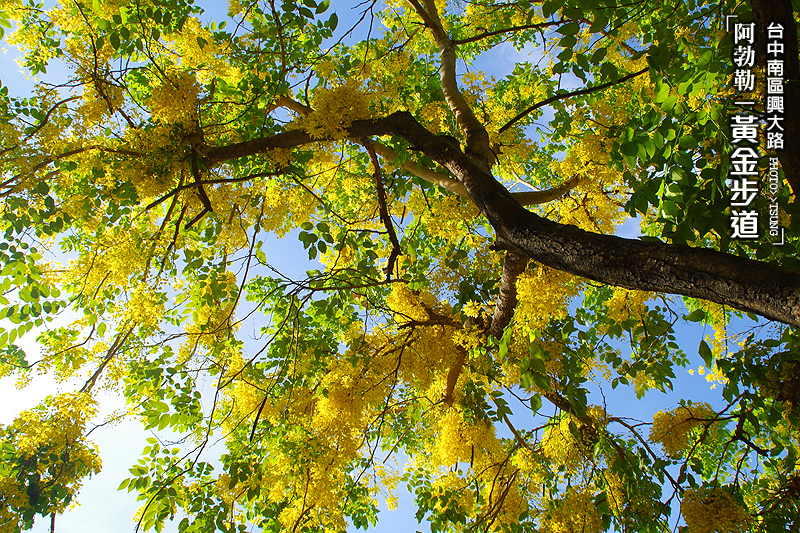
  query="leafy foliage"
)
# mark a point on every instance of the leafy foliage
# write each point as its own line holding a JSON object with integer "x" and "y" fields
{"x": 144, "y": 174}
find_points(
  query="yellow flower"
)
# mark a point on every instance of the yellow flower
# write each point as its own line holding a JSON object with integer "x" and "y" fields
{"x": 175, "y": 100}
{"x": 335, "y": 109}
{"x": 575, "y": 512}
{"x": 49, "y": 444}
{"x": 673, "y": 429}
{"x": 707, "y": 510}
{"x": 561, "y": 446}
{"x": 472, "y": 308}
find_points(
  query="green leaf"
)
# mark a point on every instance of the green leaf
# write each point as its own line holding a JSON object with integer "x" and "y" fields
{"x": 536, "y": 403}
{"x": 687, "y": 142}
{"x": 629, "y": 149}
{"x": 550, "y": 7}
{"x": 541, "y": 381}
{"x": 706, "y": 354}
{"x": 570, "y": 28}
{"x": 696, "y": 316}
{"x": 662, "y": 92}
{"x": 599, "y": 55}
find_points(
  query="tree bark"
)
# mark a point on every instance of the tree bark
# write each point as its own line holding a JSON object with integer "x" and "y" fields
{"x": 742, "y": 283}
{"x": 513, "y": 266}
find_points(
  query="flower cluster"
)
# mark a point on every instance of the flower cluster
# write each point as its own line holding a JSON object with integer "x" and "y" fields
{"x": 335, "y": 110}
{"x": 459, "y": 440}
{"x": 174, "y": 101}
{"x": 674, "y": 429}
{"x": 561, "y": 447}
{"x": 625, "y": 304}
{"x": 575, "y": 512}
{"x": 45, "y": 457}
{"x": 708, "y": 509}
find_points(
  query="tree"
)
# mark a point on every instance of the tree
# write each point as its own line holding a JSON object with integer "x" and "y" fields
{"x": 138, "y": 188}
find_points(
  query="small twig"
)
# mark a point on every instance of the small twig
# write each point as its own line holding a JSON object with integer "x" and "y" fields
{"x": 112, "y": 351}
{"x": 506, "y": 30}
{"x": 196, "y": 184}
{"x": 557, "y": 97}
{"x": 194, "y": 221}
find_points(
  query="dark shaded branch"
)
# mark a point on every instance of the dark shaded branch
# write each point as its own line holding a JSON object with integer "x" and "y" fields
{"x": 745, "y": 284}
{"x": 563, "y": 96}
{"x": 279, "y": 30}
{"x": 258, "y": 415}
{"x": 287, "y": 139}
{"x": 513, "y": 266}
{"x": 486, "y": 34}
{"x": 384, "y": 211}
{"x": 562, "y": 403}
{"x": 201, "y": 192}
{"x": 197, "y": 218}
{"x": 183, "y": 187}
{"x": 740, "y": 435}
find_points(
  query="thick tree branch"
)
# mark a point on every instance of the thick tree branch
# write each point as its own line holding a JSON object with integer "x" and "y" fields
{"x": 291, "y": 104}
{"x": 513, "y": 266}
{"x": 744, "y": 284}
{"x": 562, "y": 403}
{"x": 454, "y": 186}
{"x": 198, "y": 181}
{"x": 421, "y": 171}
{"x": 547, "y": 195}
{"x": 288, "y": 139}
{"x": 477, "y": 137}
{"x": 452, "y": 376}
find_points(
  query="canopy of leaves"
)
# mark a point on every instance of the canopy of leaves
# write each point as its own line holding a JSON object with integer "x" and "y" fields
{"x": 456, "y": 171}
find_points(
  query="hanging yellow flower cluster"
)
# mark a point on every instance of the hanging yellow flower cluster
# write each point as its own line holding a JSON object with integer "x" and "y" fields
{"x": 335, "y": 109}
{"x": 674, "y": 430}
{"x": 45, "y": 457}
{"x": 174, "y": 100}
{"x": 708, "y": 509}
